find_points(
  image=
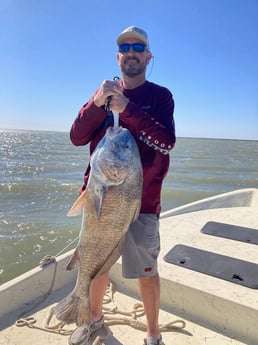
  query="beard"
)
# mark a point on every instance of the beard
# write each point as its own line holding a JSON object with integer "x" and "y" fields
{"x": 132, "y": 67}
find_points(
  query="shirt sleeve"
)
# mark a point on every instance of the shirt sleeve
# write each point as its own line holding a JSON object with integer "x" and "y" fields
{"x": 156, "y": 130}
{"x": 89, "y": 119}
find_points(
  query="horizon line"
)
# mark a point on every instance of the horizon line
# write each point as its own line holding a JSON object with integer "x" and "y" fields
{"x": 180, "y": 136}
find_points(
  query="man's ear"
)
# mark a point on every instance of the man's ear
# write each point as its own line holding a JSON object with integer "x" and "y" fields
{"x": 149, "y": 56}
{"x": 117, "y": 57}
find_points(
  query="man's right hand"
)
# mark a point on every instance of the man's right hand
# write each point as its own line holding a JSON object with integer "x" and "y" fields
{"x": 107, "y": 88}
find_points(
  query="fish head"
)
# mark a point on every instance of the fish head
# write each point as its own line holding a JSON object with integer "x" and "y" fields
{"x": 115, "y": 156}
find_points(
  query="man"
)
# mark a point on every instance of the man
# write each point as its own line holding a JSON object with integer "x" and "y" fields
{"x": 146, "y": 109}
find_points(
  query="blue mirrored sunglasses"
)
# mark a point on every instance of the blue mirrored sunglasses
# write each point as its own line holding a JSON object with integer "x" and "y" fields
{"x": 137, "y": 47}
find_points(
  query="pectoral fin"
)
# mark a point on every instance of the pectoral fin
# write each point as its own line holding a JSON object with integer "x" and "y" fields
{"x": 98, "y": 197}
{"x": 77, "y": 207}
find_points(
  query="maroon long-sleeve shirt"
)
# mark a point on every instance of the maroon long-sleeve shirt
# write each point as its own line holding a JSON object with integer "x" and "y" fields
{"x": 149, "y": 117}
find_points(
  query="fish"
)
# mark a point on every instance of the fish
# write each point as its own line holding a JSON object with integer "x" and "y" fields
{"x": 109, "y": 205}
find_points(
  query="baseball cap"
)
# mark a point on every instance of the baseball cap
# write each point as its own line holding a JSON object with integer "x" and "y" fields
{"x": 133, "y": 31}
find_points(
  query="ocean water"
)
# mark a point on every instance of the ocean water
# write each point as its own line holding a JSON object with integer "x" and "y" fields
{"x": 41, "y": 173}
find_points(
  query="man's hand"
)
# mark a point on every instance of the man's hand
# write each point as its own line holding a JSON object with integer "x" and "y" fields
{"x": 111, "y": 88}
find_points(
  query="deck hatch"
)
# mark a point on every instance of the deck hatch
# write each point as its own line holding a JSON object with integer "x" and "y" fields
{"x": 224, "y": 267}
{"x": 232, "y": 232}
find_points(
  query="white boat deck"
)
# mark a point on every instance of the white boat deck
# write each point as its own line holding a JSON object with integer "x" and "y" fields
{"x": 193, "y": 334}
{"x": 215, "y": 311}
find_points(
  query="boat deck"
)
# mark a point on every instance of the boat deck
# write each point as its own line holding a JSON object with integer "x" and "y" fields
{"x": 215, "y": 311}
{"x": 192, "y": 334}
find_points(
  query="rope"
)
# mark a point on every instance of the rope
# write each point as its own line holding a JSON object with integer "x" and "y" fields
{"x": 20, "y": 317}
{"x": 129, "y": 318}
{"x": 30, "y": 322}
{"x": 47, "y": 260}
{"x": 109, "y": 311}
{"x": 133, "y": 315}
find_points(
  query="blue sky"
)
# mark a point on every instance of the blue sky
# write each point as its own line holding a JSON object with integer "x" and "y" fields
{"x": 55, "y": 53}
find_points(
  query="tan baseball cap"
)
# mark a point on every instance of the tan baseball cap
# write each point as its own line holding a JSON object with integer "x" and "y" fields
{"x": 133, "y": 31}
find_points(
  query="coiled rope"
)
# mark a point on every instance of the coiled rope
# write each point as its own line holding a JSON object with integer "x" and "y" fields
{"x": 129, "y": 318}
{"x": 46, "y": 261}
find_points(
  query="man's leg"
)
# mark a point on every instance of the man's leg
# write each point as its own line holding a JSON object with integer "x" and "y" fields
{"x": 150, "y": 292}
{"x": 97, "y": 292}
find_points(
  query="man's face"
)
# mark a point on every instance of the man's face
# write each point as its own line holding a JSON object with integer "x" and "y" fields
{"x": 133, "y": 63}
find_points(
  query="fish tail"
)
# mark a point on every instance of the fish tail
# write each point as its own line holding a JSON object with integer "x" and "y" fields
{"x": 71, "y": 309}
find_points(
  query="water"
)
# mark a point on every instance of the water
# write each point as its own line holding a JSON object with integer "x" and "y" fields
{"x": 41, "y": 173}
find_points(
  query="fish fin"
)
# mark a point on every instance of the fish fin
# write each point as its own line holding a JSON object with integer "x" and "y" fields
{"x": 74, "y": 261}
{"x": 136, "y": 213}
{"x": 113, "y": 257}
{"x": 98, "y": 197}
{"x": 72, "y": 309}
{"x": 77, "y": 207}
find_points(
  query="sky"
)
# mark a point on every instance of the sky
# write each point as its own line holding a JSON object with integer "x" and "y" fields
{"x": 54, "y": 54}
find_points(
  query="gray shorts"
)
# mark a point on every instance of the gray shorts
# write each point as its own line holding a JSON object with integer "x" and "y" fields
{"x": 141, "y": 247}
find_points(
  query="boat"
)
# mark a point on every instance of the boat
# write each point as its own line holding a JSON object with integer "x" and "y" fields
{"x": 201, "y": 302}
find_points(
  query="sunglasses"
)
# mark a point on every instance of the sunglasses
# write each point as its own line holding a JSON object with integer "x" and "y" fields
{"x": 137, "y": 47}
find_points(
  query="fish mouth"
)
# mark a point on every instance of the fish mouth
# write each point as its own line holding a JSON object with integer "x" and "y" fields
{"x": 114, "y": 130}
